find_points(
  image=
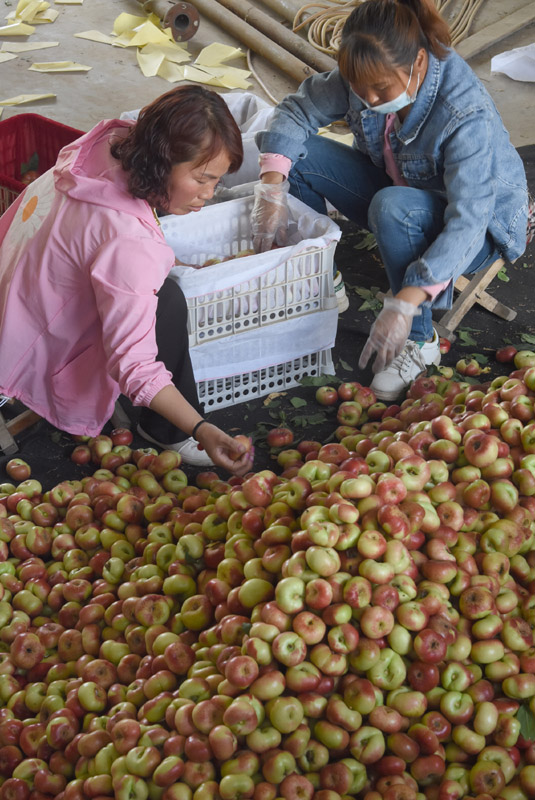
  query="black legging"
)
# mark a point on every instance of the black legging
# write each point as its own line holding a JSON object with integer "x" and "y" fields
{"x": 173, "y": 351}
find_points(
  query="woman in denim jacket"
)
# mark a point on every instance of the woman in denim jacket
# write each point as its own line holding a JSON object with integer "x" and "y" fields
{"x": 432, "y": 172}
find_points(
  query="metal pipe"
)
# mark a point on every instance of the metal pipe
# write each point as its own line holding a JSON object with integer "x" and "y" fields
{"x": 286, "y": 38}
{"x": 287, "y": 9}
{"x": 255, "y": 40}
{"x": 182, "y": 18}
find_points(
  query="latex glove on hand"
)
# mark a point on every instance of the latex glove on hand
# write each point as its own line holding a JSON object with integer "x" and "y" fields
{"x": 224, "y": 450}
{"x": 389, "y": 333}
{"x": 269, "y": 217}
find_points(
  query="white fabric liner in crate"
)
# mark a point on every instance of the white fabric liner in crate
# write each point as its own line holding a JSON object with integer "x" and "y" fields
{"x": 262, "y": 311}
{"x": 257, "y": 290}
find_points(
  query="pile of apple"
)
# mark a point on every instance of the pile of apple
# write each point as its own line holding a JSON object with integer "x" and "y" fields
{"x": 361, "y": 625}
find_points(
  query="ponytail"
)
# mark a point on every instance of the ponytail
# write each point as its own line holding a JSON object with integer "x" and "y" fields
{"x": 381, "y": 34}
{"x": 434, "y": 27}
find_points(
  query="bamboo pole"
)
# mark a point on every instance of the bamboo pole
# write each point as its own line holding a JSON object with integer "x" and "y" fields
{"x": 284, "y": 37}
{"x": 255, "y": 40}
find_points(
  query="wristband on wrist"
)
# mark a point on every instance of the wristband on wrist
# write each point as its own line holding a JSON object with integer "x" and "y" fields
{"x": 196, "y": 427}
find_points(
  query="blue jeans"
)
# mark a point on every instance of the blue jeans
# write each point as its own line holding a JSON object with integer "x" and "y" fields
{"x": 404, "y": 220}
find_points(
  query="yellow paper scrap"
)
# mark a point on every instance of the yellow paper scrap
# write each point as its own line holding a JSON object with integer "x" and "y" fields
{"x": 68, "y": 2}
{"x": 127, "y": 22}
{"x": 197, "y": 75}
{"x": 18, "y": 29}
{"x": 50, "y": 15}
{"x": 123, "y": 40}
{"x": 59, "y": 66}
{"x": 344, "y": 138}
{"x": 27, "y": 9}
{"x": 228, "y": 77}
{"x": 172, "y": 52}
{"x": 231, "y": 77}
{"x": 149, "y": 63}
{"x": 215, "y": 54}
{"x": 148, "y": 33}
{"x": 95, "y": 36}
{"x": 171, "y": 72}
{"x": 23, "y": 47}
{"x": 7, "y": 57}
{"x": 24, "y": 98}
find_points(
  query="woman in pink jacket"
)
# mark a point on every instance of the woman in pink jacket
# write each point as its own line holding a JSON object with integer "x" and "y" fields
{"x": 87, "y": 311}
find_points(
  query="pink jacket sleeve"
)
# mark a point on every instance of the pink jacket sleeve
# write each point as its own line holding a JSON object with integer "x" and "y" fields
{"x": 126, "y": 276}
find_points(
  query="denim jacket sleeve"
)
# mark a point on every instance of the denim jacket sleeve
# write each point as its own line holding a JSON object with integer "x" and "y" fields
{"x": 320, "y": 100}
{"x": 470, "y": 190}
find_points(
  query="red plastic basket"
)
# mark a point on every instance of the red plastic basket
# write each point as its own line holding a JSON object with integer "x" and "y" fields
{"x": 20, "y": 137}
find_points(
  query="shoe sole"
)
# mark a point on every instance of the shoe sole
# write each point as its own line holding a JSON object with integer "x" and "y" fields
{"x": 201, "y": 462}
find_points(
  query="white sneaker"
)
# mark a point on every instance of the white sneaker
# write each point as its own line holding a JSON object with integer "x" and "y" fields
{"x": 340, "y": 293}
{"x": 187, "y": 449}
{"x": 411, "y": 362}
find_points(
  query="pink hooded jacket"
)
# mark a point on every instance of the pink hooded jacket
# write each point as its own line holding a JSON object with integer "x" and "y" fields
{"x": 81, "y": 261}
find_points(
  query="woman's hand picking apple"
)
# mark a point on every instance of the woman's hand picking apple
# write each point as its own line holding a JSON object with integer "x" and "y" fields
{"x": 235, "y": 455}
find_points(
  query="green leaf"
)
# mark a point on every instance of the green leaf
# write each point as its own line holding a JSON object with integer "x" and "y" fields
{"x": 503, "y": 276}
{"x": 528, "y": 337}
{"x": 527, "y": 722}
{"x": 371, "y": 302}
{"x": 480, "y": 358}
{"x": 319, "y": 380}
{"x": 347, "y": 367}
{"x": 315, "y": 419}
{"x": 526, "y": 266}
{"x": 56, "y": 436}
{"x": 298, "y": 402}
{"x": 466, "y": 339}
{"x": 367, "y": 242}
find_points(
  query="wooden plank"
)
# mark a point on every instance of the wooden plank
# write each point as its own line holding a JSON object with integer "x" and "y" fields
{"x": 488, "y": 301}
{"x": 494, "y": 33}
{"x": 8, "y": 445}
{"x": 22, "y": 421}
{"x": 444, "y": 332}
{"x": 469, "y": 296}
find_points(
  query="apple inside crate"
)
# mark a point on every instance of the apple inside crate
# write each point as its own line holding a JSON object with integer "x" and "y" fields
{"x": 257, "y": 323}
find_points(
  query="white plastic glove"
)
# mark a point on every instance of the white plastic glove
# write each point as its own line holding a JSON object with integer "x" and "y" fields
{"x": 389, "y": 333}
{"x": 224, "y": 193}
{"x": 269, "y": 217}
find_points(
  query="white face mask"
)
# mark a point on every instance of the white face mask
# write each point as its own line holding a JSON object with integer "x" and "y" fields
{"x": 399, "y": 102}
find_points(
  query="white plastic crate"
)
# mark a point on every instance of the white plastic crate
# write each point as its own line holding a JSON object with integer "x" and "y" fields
{"x": 223, "y": 392}
{"x": 257, "y": 290}
{"x": 268, "y": 319}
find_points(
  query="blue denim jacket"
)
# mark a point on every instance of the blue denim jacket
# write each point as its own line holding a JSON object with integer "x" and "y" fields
{"x": 452, "y": 142}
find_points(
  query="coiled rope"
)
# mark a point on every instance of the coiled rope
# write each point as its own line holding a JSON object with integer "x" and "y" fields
{"x": 325, "y": 20}
{"x": 325, "y": 23}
